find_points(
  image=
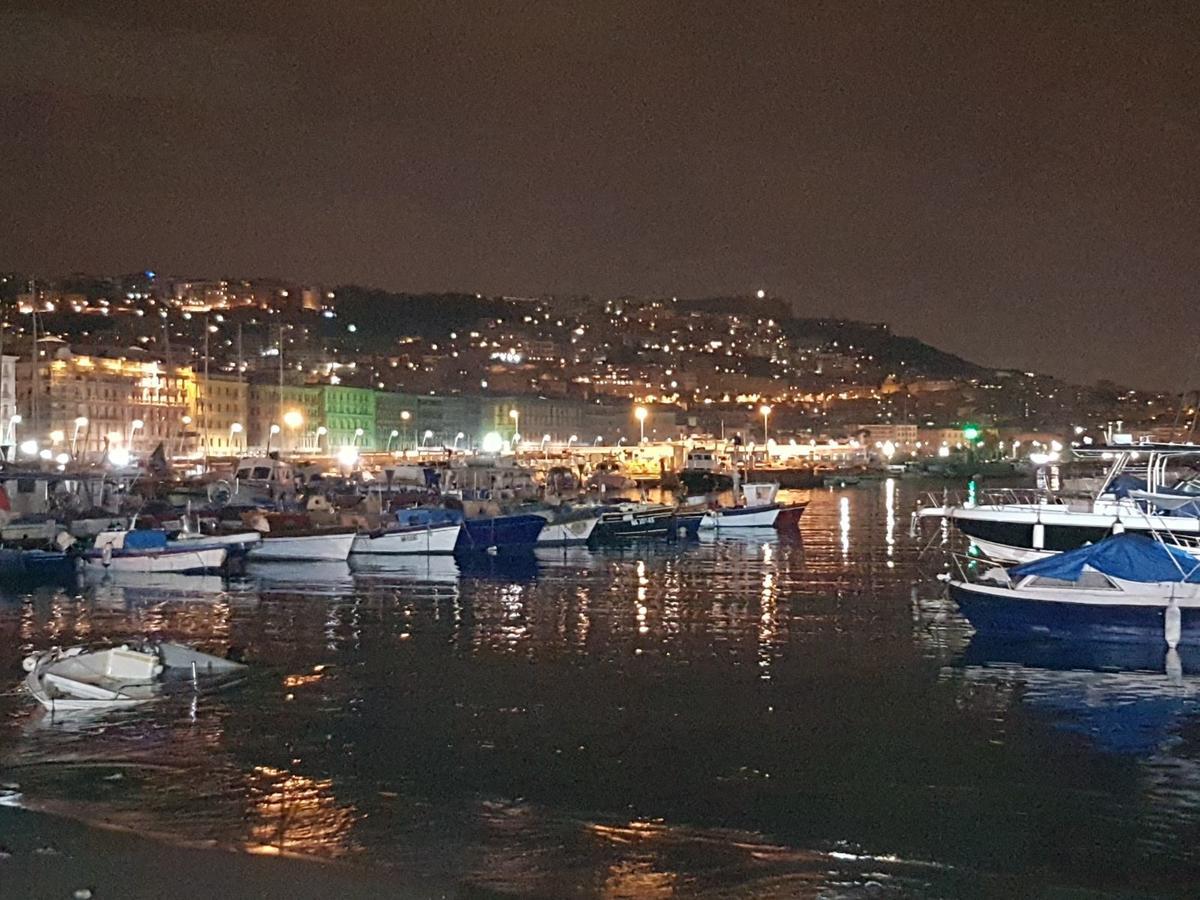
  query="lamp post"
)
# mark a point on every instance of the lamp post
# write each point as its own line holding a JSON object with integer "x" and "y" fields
{"x": 640, "y": 414}
{"x": 545, "y": 441}
{"x": 404, "y": 417}
{"x": 293, "y": 419}
{"x": 458, "y": 437}
{"x": 135, "y": 425}
{"x": 766, "y": 414}
{"x": 321, "y": 432}
{"x": 235, "y": 428}
{"x": 358, "y": 433}
{"x": 80, "y": 422}
{"x": 516, "y": 417}
{"x": 425, "y": 437}
{"x": 572, "y": 439}
{"x": 13, "y": 421}
{"x": 596, "y": 442}
{"x": 274, "y": 430}
{"x": 391, "y": 437}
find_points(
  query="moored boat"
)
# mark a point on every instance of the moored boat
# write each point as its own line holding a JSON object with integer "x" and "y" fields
{"x": 409, "y": 537}
{"x": 1124, "y": 588}
{"x": 499, "y": 534}
{"x": 295, "y": 537}
{"x": 627, "y": 521}
{"x": 150, "y": 551}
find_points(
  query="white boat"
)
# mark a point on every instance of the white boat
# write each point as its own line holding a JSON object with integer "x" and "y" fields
{"x": 571, "y": 529}
{"x": 76, "y": 678}
{"x": 150, "y": 551}
{"x": 331, "y": 546}
{"x": 1138, "y": 496}
{"x": 404, "y": 540}
{"x": 758, "y": 509}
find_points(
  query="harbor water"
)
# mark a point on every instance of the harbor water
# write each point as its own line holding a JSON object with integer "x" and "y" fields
{"x": 749, "y": 715}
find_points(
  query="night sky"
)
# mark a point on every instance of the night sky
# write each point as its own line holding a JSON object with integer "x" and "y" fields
{"x": 1017, "y": 183}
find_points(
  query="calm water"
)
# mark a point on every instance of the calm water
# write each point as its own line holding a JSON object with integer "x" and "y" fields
{"x": 740, "y": 717}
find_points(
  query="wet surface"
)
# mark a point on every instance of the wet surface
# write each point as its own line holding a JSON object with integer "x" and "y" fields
{"x": 746, "y": 716}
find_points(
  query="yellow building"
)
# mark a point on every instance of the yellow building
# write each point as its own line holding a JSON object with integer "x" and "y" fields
{"x": 90, "y": 403}
{"x": 219, "y": 415}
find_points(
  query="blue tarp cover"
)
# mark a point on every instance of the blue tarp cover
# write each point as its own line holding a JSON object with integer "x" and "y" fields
{"x": 1130, "y": 557}
{"x": 145, "y": 540}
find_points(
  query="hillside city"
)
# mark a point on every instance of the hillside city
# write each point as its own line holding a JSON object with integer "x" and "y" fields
{"x": 224, "y": 366}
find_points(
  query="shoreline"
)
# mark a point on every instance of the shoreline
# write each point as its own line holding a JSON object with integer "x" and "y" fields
{"x": 45, "y": 855}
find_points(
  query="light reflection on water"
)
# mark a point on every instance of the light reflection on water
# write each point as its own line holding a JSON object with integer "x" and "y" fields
{"x": 749, "y": 714}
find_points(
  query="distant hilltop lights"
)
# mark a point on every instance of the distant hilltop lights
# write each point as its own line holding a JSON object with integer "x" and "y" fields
{"x": 718, "y": 364}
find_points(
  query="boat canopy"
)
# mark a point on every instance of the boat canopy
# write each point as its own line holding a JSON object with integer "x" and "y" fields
{"x": 1130, "y": 557}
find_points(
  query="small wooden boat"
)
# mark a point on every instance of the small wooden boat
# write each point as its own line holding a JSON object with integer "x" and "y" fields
{"x": 150, "y": 551}
{"x": 759, "y": 509}
{"x": 429, "y": 538}
{"x": 296, "y": 537}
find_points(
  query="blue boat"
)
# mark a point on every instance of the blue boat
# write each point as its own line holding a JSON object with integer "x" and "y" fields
{"x": 500, "y": 534}
{"x": 1124, "y": 588}
{"x": 24, "y": 567}
{"x": 494, "y": 534}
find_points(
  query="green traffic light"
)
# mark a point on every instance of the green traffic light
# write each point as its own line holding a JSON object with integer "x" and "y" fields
{"x": 970, "y": 432}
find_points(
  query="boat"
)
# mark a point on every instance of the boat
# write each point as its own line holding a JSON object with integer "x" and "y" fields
{"x": 413, "y": 532}
{"x": 294, "y": 536}
{"x": 629, "y": 520}
{"x": 499, "y": 534}
{"x": 609, "y": 475}
{"x": 1127, "y": 587}
{"x": 703, "y": 473}
{"x": 76, "y": 678}
{"x": 36, "y": 565}
{"x": 567, "y": 527}
{"x": 149, "y": 550}
{"x": 757, "y": 510}
{"x": 788, "y": 477}
{"x": 836, "y": 479}
{"x": 1139, "y": 495}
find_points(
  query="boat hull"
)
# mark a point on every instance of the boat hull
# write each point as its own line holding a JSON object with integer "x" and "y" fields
{"x": 418, "y": 540}
{"x": 502, "y": 534}
{"x": 742, "y": 517}
{"x": 567, "y": 534}
{"x": 1008, "y": 613}
{"x": 626, "y": 525}
{"x": 789, "y": 516}
{"x": 181, "y": 561}
{"x": 308, "y": 547}
{"x": 702, "y": 481}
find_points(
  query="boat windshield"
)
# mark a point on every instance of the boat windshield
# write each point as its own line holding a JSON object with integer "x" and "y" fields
{"x": 1092, "y": 581}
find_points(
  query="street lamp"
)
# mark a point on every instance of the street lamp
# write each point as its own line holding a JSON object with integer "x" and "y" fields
{"x": 13, "y": 421}
{"x": 620, "y": 440}
{"x": 358, "y": 433}
{"x": 572, "y": 439}
{"x": 458, "y": 437}
{"x": 596, "y": 442}
{"x": 404, "y": 417}
{"x": 133, "y": 426}
{"x": 766, "y": 414}
{"x": 56, "y": 437}
{"x": 235, "y": 428}
{"x": 516, "y": 417}
{"x": 425, "y": 437}
{"x": 395, "y": 434}
{"x": 321, "y": 432}
{"x": 274, "y": 430}
{"x": 545, "y": 441}
{"x": 80, "y": 422}
{"x": 640, "y": 414}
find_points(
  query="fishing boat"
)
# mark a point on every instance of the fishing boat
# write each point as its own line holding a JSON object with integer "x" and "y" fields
{"x": 296, "y": 537}
{"x": 149, "y": 550}
{"x": 37, "y": 565}
{"x": 76, "y": 678}
{"x": 414, "y": 532}
{"x": 567, "y": 526}
{"x": 1148, "y": 489}
{"x": 703, "y": 472}
{"x": 1125, "y": 588}
{"x": 499, "y": 534}
{"x": 758, "y": 509}
{"x": 627, "y": 521}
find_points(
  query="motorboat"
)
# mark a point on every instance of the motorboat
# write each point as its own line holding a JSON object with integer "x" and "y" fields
{"x": 77, "y": 678}
{"x": 1148, "y": 489}
{"x": 499, "y": 534}
{"x": 149, "y": 550}
{"x": 37, "y": 565}
{"x": 1127, "y": 587}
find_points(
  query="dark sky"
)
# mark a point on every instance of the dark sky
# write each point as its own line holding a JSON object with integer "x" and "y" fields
{"x": 1019, "y": 183}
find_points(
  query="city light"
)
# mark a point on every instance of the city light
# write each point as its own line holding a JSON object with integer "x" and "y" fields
{"x": 640, "y": 414}
{"x": 293, "y": 419}
{"x": 119, "y": 457}
{"x": 29, "y": 448}
{"x": 492, "y": 442}
{"x": 347, "y": 456}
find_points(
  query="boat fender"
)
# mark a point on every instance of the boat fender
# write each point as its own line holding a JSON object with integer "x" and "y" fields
{"x": 29, "y": 663}
{"x": 1039, "y": 536}
{"x": 1118, "y": 527}
{"x": 106, "y": 555}
{"x": 1173, "y": 623}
